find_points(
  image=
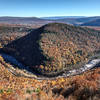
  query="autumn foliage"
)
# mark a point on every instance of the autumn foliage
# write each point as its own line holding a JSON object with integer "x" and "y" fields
{"x": 55, "y": 47}
{"x": 49, "y": 50}
{"x": 80, "y": 87}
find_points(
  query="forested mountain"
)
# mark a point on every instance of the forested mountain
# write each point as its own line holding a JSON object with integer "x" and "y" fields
{"x": 92, "y": 23}
{"x": 74, "y": 20}
{"x": 78, "y": 21}
{"x": 55, "y": 47}
{"x": 23, "y": 20}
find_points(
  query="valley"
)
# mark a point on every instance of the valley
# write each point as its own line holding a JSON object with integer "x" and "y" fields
{"x": 48, "y": 61}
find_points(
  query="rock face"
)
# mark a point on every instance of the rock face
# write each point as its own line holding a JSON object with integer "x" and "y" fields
{"x": 54, "y": 47}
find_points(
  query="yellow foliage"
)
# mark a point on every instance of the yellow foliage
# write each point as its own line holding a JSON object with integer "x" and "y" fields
{"x": 0, "y": 45}
{"x": 53, "y": 82}
{"x": 62, "y": 80}
{"x": 41, "y": 66}
{"x": 1, "y": 58}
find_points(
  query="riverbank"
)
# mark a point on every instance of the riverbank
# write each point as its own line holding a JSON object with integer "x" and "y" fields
{"x": 24, "y": 71}
{"x": 70, "y": 88}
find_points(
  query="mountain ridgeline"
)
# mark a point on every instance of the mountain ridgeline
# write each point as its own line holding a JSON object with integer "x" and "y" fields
{"x": 92, "y": 23}
{"x": 54, "y": 48}
{"x": 73, "y": 20}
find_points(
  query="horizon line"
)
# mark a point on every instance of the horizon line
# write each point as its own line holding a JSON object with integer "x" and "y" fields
{"x": 50, "y": 16}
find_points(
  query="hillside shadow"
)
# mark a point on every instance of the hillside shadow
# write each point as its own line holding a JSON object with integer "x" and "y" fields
{"x": 27, "y": 50}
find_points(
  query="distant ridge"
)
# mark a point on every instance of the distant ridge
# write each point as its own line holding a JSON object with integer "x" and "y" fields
{"x": 22, "y": 20}
{"x": 74, "y": 20}
{"x": 78, "y": 21}
{"x": 92, "y": 23}
{"x": 61, "y": 17}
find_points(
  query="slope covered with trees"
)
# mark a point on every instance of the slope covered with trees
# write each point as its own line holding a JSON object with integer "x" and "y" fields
{"x": 54, "y": 48}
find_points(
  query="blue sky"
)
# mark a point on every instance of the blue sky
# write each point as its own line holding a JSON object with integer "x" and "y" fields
{"x": 42, "y": 8}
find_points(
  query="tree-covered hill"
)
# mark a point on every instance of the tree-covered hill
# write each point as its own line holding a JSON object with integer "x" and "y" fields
{"x": 92, "y": 23}
{"x": 55, "y": 47}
